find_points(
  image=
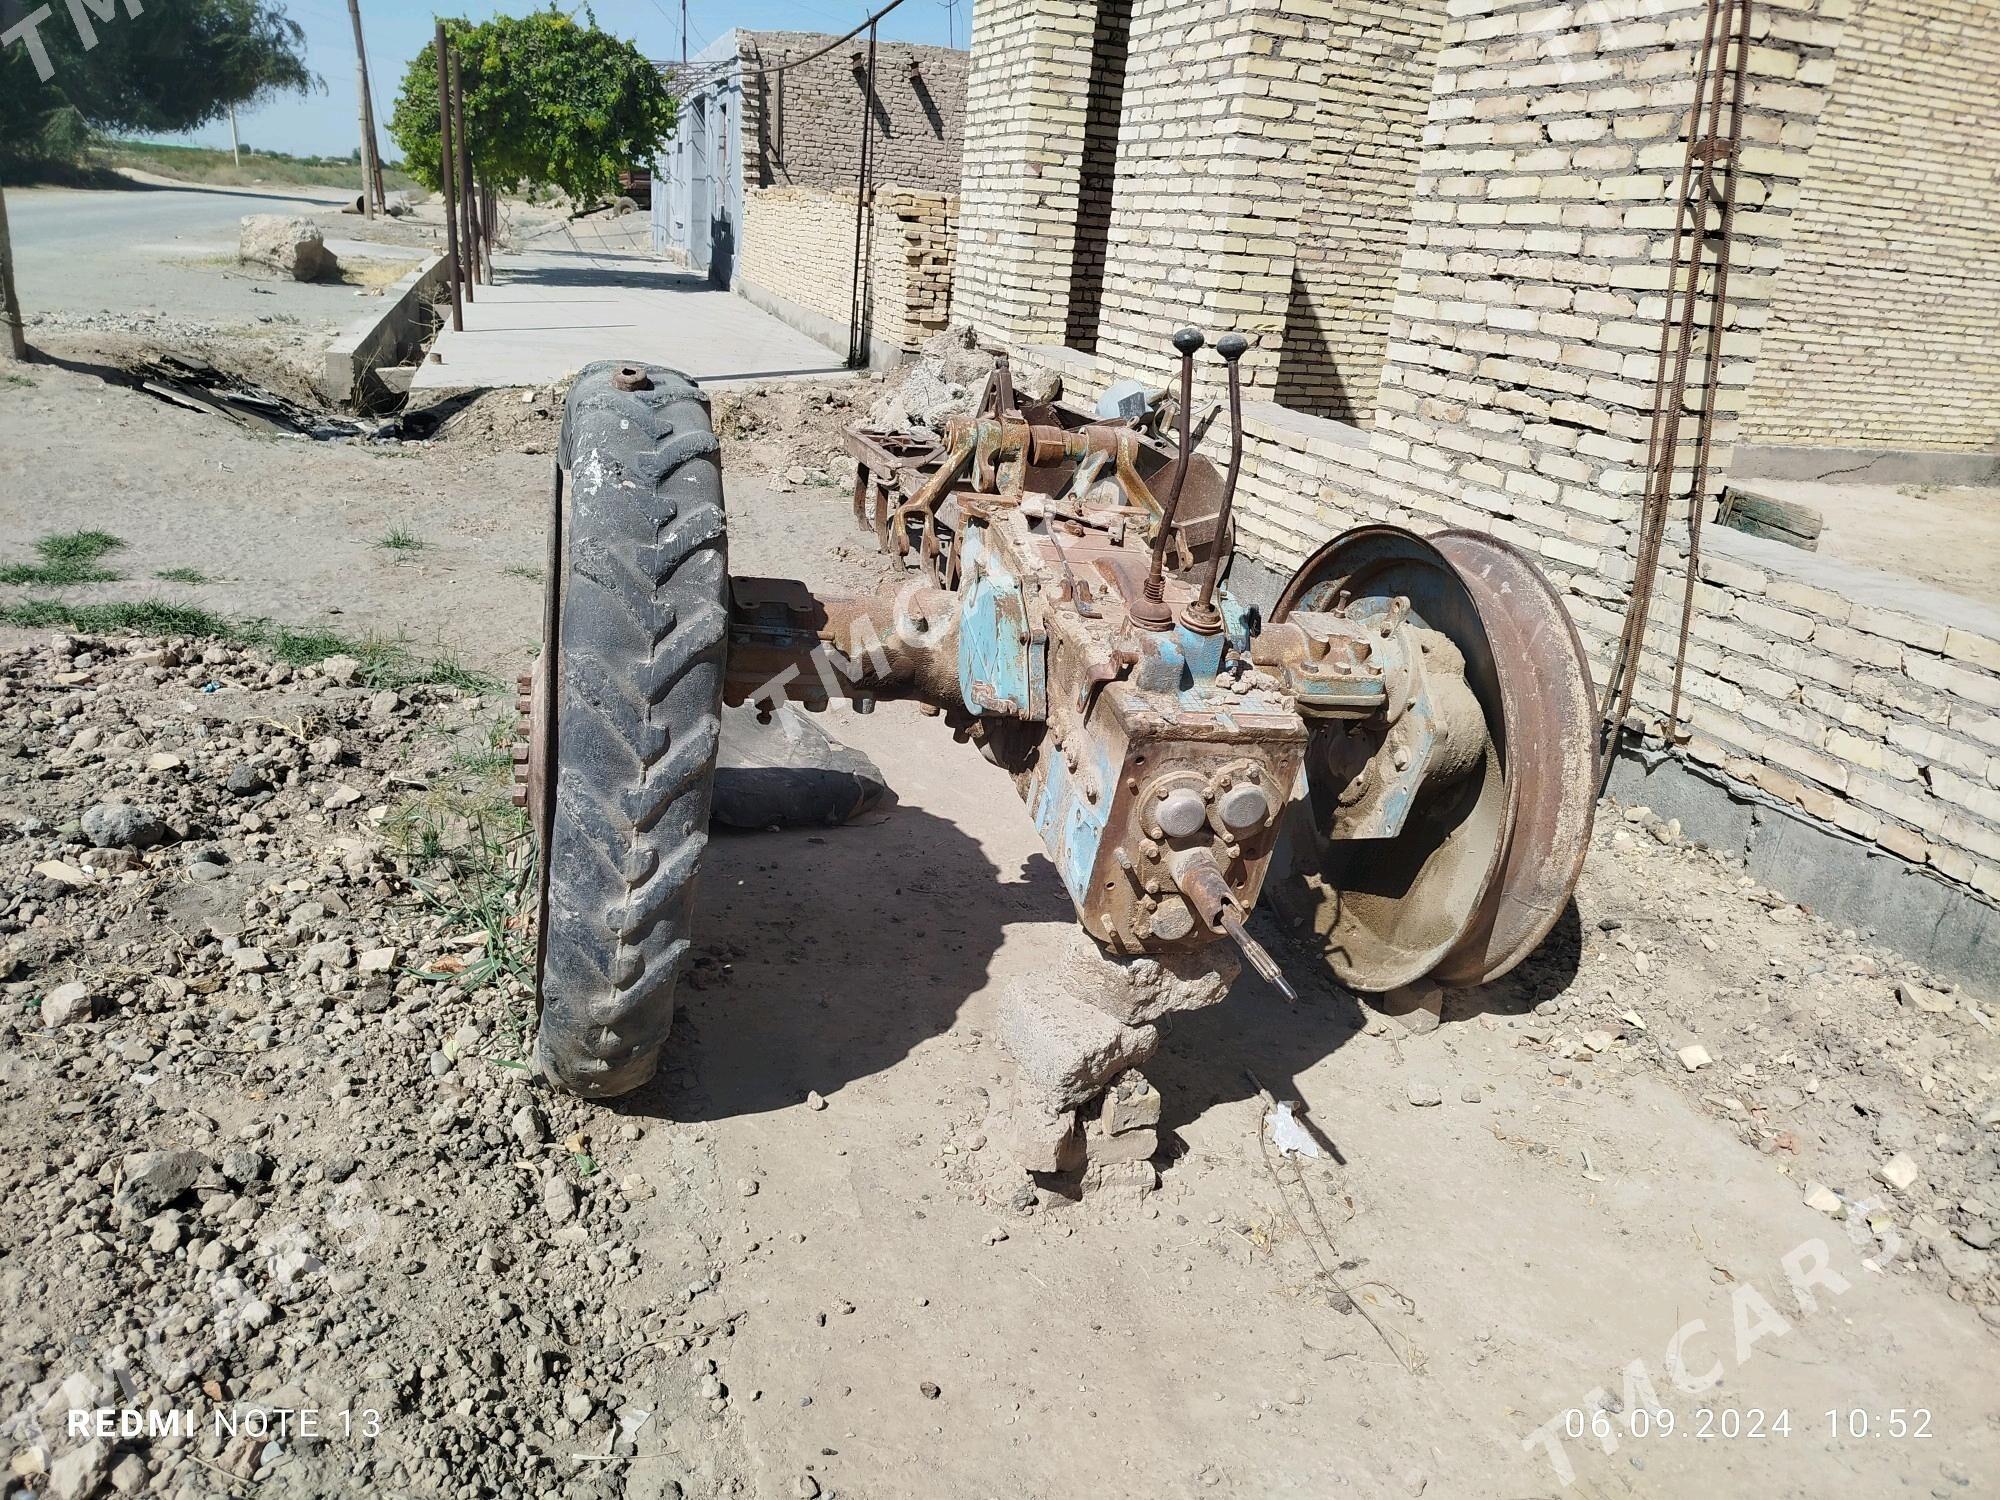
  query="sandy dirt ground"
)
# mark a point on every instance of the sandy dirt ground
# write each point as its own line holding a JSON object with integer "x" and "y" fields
{"x": 1946, "y": 535}
{"x": 1545, "y": 1216}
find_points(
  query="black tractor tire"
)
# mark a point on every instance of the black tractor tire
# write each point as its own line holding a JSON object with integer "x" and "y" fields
{"x": 637, "y": 695}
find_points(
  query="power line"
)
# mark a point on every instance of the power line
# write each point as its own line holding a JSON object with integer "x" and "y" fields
{"x": 721, "y": 69}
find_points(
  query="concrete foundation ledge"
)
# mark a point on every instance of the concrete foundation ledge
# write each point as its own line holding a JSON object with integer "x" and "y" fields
{"x": 833, "y": 334}
{"x": 1855, "y": 465}
{"x": 1945, "y": 927}
{"x": 386, "y": 336}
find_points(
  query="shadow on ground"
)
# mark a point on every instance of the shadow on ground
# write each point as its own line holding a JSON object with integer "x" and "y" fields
{"x": 803, "y": 922}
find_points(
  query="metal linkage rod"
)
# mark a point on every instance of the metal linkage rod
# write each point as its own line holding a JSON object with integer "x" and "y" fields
{"x": 1150, "y": 610}
{"x": 1202, "y": 615}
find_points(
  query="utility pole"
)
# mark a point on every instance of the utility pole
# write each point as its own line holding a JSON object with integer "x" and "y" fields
{"x": 371, "y": 160}
{"x": 15, "y": 343}
{"x": 468, "y": 223}
{"x": 445, "y": 177}
{"x": 684, "y": 32}
{"x": 235, "y": 145}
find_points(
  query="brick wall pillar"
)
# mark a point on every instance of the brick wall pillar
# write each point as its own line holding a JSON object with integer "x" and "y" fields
{"x": 1025, "y": 101}
{"x": 1519, "y": 382}
{"x": 1213, "y": 158}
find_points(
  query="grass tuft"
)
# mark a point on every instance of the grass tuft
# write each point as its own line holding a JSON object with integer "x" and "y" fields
{"x": 183, "y": 575}
{"x": 400, "y": 540}
{"x": 68, "y": 557}
{"x": 384, "y": 663}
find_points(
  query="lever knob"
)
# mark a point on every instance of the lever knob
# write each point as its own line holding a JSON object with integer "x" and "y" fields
{"x": 1232, "y": 346}
{"x": 1188, "y": 340}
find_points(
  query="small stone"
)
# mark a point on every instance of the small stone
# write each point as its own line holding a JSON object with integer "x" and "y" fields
{"x": 1419, "y": 1006}
{"x": 245, "y": 780}
{"x": 376, "y": 960}
{"x": 813, "y": 1099}
{"x": 1899, "y": 1171}
{"x": 1978, "y": 1235}
{"x": 1694, "y": 1056}
{"x": 81, "y": 1473}
{"x": 341, "y": 670}
{"x": 325, "y": 751}
{"x": 150, "y": 1180}
{"x": 558, "y": 1200}
{"x": 530, "y": 1128}
{"x": 250, "y": 961}
{"x": 120, "y": 825}
{"x": 931, "y": 1390}
{"x": 68, "y": 1003}
{"x": 805, "y": 1487}
{"x": 578, "y": 1406}
{"x": 129, "y": 1476}
{"x": 342, "y": 796}
{"x": 1424, "y": 1095}
{"x": 747, "y": 1186}
{"x": 1822, "y": 1197}
{"x": 1470, "y": 1093}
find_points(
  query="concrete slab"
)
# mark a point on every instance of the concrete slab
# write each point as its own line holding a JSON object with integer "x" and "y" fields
{"x": 552, "y": 311}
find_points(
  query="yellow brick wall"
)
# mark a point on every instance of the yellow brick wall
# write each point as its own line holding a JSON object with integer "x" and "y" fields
{"x": 1212, "y": 166}
{"x": 798, "y": 244}
{"x": 1025, "y": 99}
{"x": 1362, "y": 168}
{"x": 1886, "y": 328}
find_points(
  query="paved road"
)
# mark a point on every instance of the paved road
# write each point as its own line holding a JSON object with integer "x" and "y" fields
{"x": 170, "y": 251}
{"x": 553, "y": 310}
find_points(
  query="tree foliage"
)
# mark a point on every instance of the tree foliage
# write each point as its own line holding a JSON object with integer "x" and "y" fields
{"x": 170, "y": 68}
{"x": 548, "y": 102}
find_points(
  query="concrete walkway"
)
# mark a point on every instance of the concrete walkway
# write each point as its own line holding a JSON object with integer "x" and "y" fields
{"x": 552, "y": 310}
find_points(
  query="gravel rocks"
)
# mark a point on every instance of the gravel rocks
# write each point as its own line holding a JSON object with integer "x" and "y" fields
{"x": 234, "y": 1175}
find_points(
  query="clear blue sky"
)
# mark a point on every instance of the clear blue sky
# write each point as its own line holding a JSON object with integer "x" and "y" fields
{"x": 325, "y": 124}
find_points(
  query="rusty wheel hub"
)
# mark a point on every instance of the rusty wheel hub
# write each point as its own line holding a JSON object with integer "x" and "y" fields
{"x": 1485, "y": 863}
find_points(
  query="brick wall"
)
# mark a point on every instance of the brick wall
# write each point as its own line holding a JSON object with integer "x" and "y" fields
{"x": 1212, "y": 167}
{"x": 1883, "y": 334}
{"x": 798, "y": 244}
{"x": 1025, "y": 101}
{"x": 1098, "y": 170}
{"x": 802, "y": 127}
{"x": 1362, "y": 163}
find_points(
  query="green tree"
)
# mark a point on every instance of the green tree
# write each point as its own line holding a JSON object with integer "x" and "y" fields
{"x": 169, "y": 68}
{"x": 548, "y": 102}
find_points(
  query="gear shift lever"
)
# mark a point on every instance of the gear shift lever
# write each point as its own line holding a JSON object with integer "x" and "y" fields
{"x": 1150, "y": 610}
{"x": 1202, "y": 615}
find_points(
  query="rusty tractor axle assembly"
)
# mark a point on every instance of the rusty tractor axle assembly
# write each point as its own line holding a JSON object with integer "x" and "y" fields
{"x": 1397, "y": 753}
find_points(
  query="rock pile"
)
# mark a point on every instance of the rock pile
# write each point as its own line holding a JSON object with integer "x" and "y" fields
{"x": 282, "y": 1194}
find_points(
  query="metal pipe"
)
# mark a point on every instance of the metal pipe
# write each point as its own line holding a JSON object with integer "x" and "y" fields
{"x": 857, "y": 311}
{"x": 1150, "y": 609}
{"x": 446, "y": 170}
{"x": 1202, "y": 614}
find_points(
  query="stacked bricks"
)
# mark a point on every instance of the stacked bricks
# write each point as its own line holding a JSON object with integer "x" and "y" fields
{"x": 798, "y": 244}
{"x": 1362, "y": 168}
{"x": 1213, "y": 161}
{"x": 802, "y": 127}
{"x": 1025, "y": 101}
{"x": 1883, "y": 331}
